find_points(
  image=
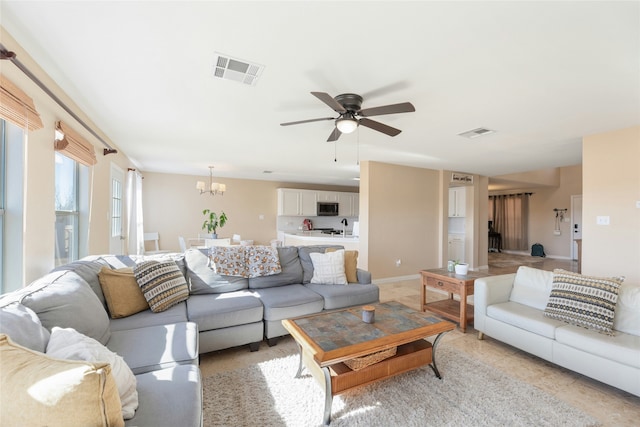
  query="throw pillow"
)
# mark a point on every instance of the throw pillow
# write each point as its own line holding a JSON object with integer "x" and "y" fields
{"x": 586, "y": 301}
{"x": 39, "y": 390}
{"x": 121, "y": 291}
{"x": 328, "y": 268}
{"x": 23, "y": 326}
{"x": 72, "y": 345}
{"x": 262, "y": 261}
{"x": 350, "y": 264}
{"x": 64, "y": 299}
{"x": 162, "y": 283}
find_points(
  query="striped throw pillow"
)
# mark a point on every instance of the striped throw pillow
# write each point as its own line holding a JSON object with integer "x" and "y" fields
{"x": 586, "y": 301}
{"x": 162, "y": 284}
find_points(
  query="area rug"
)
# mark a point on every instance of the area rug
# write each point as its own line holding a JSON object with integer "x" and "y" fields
{"x": 471, "y": 393}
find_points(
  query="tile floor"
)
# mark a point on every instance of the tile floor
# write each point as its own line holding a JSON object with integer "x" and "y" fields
{"x": 612, "y": 407}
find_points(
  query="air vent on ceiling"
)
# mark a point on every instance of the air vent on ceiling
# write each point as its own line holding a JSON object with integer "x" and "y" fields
{"x": 238, "y": 70}
{"x": 474, "y": 133}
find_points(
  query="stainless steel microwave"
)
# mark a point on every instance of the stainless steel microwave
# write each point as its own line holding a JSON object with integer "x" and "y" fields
{"x": 327, "y": 209}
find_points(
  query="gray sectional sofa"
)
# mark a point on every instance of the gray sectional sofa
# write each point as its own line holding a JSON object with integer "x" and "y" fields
{"x": 162, "y": 348}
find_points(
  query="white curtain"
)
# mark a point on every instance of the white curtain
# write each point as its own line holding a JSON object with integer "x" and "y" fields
{"x": 134, "y": 213}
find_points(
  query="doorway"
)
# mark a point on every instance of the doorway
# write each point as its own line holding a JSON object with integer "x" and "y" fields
{"x": 576, "y": 224}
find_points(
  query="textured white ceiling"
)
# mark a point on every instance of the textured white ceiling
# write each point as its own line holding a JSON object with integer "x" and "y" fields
{"x": 542, "y": 74}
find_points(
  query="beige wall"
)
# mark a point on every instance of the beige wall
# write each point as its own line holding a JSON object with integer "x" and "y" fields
{"x": 542, "y": 217}
{"x": 399, "y": 218}
{"x": 611, "y": 183}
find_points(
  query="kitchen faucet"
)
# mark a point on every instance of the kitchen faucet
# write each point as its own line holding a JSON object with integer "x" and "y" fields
{"x": 344, "y": 226}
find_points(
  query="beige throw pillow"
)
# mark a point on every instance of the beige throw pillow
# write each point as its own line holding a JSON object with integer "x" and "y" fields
{"x": 38, "y": 390}
{"x": 350, "y": 264}
{"x": 121, "y": 291}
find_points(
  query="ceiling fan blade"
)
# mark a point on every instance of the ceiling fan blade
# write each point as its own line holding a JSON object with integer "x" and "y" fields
{"x": 404, "y": 107}
{"x": 307, "y": 121}
{"x": 334, "y": 135}
{"x": 380, "y": 127}
{"x": 328, "y": 99}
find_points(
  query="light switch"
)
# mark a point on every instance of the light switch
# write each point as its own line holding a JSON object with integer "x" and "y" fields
{"x": 602, "y": 220}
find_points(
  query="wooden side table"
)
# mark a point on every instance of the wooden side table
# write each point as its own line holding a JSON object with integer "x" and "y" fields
{"x": 453, "y": 284}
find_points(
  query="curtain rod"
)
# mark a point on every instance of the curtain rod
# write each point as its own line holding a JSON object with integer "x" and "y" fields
{"x": 11, "y": 56}
{"x": 511, "y": 194}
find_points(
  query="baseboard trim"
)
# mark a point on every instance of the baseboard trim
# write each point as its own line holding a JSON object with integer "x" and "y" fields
{"x": 395, "y": 279}
{"x": 529, "y": 254}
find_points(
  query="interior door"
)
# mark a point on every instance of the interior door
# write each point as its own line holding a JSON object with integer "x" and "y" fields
{"x": 116, "y": 223}
{"x": 576, "y": 224}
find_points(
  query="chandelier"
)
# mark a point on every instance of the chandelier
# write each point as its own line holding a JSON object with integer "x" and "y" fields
{"x": 214, "y": 187}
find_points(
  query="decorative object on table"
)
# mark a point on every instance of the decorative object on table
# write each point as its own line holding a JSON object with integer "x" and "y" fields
{"x": 368, "y": 314}
{"x": 462, "y": 268}
{"x": 451, "y": 266}
{"x": 213, "y": 221}
{"x": 214, "y": 187}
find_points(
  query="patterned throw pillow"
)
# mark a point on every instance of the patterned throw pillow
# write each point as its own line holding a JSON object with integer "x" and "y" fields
{"x": 262, "y": 261}
{"x": 589, "y": 302}
{"x": 162, "y": 284}
{"x": 328, "y": 268}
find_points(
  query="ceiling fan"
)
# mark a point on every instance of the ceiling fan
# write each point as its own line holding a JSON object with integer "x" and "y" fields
{"x": 349, "y": 106}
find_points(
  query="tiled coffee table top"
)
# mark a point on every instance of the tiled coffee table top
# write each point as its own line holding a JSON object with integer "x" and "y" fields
{"x": 340, "y": 329}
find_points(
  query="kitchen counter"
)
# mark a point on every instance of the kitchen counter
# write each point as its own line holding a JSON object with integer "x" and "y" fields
{"x": 306, "y": 238}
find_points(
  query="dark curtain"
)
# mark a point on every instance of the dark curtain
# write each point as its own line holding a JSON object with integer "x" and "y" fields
{"x": 510, "y": 216}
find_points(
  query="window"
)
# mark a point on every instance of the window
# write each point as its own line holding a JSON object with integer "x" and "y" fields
{"x": 11, "y": 206}
{"x": 67, "y": 235}
{"x": 3, "y": 179}
{"x": 116, "y": 208}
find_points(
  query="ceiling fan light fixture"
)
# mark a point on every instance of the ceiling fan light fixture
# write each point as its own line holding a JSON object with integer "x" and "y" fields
{"x": 346, "y": 124}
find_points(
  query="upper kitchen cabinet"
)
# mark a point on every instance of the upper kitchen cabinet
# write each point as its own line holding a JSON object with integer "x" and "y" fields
{"x": 349, "y": 204}
{"x": 457, "y": 201}
{"x": 293, "y": 202}
{"x": 326, "y": 196}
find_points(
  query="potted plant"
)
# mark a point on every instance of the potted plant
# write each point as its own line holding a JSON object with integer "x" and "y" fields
{"x": 213, "y": 221}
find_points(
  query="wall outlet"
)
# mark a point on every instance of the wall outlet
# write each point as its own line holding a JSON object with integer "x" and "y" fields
{"x": 602, "y": 220}
{"x": 398, "y": 262}
{"x": 261, "y": 217}
{"x": 556, "y": 232}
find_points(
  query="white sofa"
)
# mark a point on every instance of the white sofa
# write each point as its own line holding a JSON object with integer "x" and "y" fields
{"x": 510, "y": 308}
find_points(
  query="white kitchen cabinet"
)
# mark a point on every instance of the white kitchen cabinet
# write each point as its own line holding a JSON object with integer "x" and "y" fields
{"x": 308, "y": 204}
{"x": 297, "y": 202}
{"x": 292, "y": 202}
{"x": 457, "y": 201}
{"x": 326, "y": 196}
{"x": 349, "y": 204}
{"x": 456, "y": 247}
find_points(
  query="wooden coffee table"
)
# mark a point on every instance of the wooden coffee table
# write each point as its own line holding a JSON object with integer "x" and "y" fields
{"x": 327, "y": 339}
